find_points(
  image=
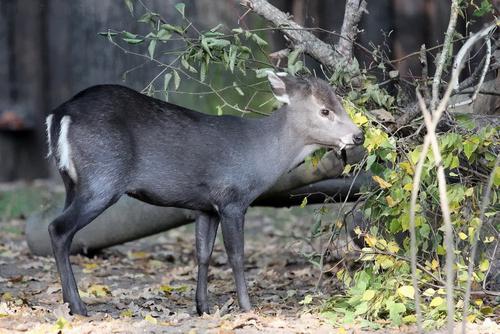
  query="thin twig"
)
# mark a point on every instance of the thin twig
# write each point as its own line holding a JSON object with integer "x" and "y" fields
{"x": 425, "y": 73}
{"x": 457, "y": 67}
{"x": 481, "y": 79}
{"x": 445, "y": 209}
{"x": 484, "y": 205}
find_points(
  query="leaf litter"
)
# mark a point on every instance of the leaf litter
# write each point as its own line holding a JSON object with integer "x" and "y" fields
{"x": 149, "y": 285}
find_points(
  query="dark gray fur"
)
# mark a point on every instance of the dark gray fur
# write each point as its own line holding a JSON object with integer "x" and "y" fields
{"x": 123, "y": 142}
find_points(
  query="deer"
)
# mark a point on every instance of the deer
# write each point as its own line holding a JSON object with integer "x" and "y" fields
{"x": 109, "y": 141}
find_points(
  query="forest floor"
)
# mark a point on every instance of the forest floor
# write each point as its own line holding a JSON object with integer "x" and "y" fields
{"x": 147, "y": 286}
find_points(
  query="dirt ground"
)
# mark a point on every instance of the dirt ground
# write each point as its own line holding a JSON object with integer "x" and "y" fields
{"x": 147, "y": 286}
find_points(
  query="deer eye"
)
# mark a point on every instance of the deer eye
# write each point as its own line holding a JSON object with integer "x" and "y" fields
{"x": 325, "y": 112}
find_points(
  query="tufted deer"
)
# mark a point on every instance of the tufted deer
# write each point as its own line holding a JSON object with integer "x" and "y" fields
{"x": 109, "y": 141}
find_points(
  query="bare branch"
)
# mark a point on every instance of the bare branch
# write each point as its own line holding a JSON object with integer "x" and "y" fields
{"x": 431, "y": 124}
{"x": 353, "y": 11}
{"x": 445, "y": 209}
{"x": 310, "y": 44}
{"x": 484, "y": 205}
{"x": 425, "y": 73}
{"x": 444, "y": 52}
{"x": 313, "y": 46}
{"x": 481, "y": 79}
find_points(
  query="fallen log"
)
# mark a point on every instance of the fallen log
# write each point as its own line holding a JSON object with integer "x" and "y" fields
{"x": 130, "y": 219}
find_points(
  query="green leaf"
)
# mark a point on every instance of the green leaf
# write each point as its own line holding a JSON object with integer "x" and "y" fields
{"x": 292, "y": 57}
{"x": 177, "y": 79}
{"x": 203, "y": 71}
{"x": 395, "y": 311}
{"x": 361, "y": 308}
{"x": 304, "y": 202}
{"x": 107, "y": 33}
{"x": 307, "y": 300}
{"x": 233, "y": 51}
{"x": 180, "y": 8}
{"x": 469, "y": 148}
{"x": 187, "y": 66}
{"x": 151, "y": 48}
{"x": 204, "y": 45}
{"x": 238, "y": 89}
{"x": 219, "y": 111}
{"x": 257, "y": 39}
{"x": 164, "y": 35}
{"x": 485, "y": 8}
{"x": 149, "y": 17}
{"x": 166, "y": 81}
{"x": 368, "y": 295}
{"x": 406, "y": 291}
{"x": 133, "y": 40}
{"x": 437, "y": 301}
{"x": 170, "y": 27}
{"x": 130, "y": 6}
{"x": 496, "y": 176}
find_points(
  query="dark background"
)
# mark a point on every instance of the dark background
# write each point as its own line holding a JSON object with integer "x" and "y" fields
{"x": 50, "y": 50}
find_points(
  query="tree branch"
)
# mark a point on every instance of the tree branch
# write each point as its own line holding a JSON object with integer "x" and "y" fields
{"x": 436, "y": 82}
{"x": 354, "y": 9}
{"x": 310, "y": 44}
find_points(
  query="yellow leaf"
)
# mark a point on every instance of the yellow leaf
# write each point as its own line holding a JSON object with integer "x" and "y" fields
{"x": 61, "y": 324}
{"x": 478, "y": 302}
{"x": 489, "y": 239}
{"x": 126, "y": 314}
{"x": 138, "y": 255}
{"x": 408, "y": 186}
{"x": 315, "y": 161}
{"x": 98, "y": 290}
{"x": 410, "y": 319}
{"x": 370, "y": 240}
{"x": 168, "y": 289}
{"x": 368, "y": 295}
{"x": 429, "y": 292}
{"x": 469, "y": 192}
{"x": 437, "y": 301}
{"x": 7, "y": 296}
{"x": 357, "y": 230}
{"x": 341, "y": 330}
{"x": 359, "y": 119}
{"x": 150, "y": 319}
{"x": 386, "y": 262}
{"x": 381, "y": 182}
{"x": 390, "y": 201}
{"x": 347, "y": 169}
{"x": 434, "y": 264}
{"x": 471, "y": 318}
{"x": 484, "y": 265}
{"x": 406, "y": 291}
{"x": 392, "y": 247}
{"x": 462, "y": 235}
{"x": 89, "y": 267}
{"x": 407, "y": 167}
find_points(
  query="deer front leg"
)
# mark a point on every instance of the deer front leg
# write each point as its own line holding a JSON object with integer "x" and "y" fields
{"x": 232, "y": 221}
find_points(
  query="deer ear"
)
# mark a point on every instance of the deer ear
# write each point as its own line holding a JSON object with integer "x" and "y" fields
{"x": 278, "y": 86}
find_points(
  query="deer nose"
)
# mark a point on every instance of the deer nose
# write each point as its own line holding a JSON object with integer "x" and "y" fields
{"x": 358, "y": 138}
